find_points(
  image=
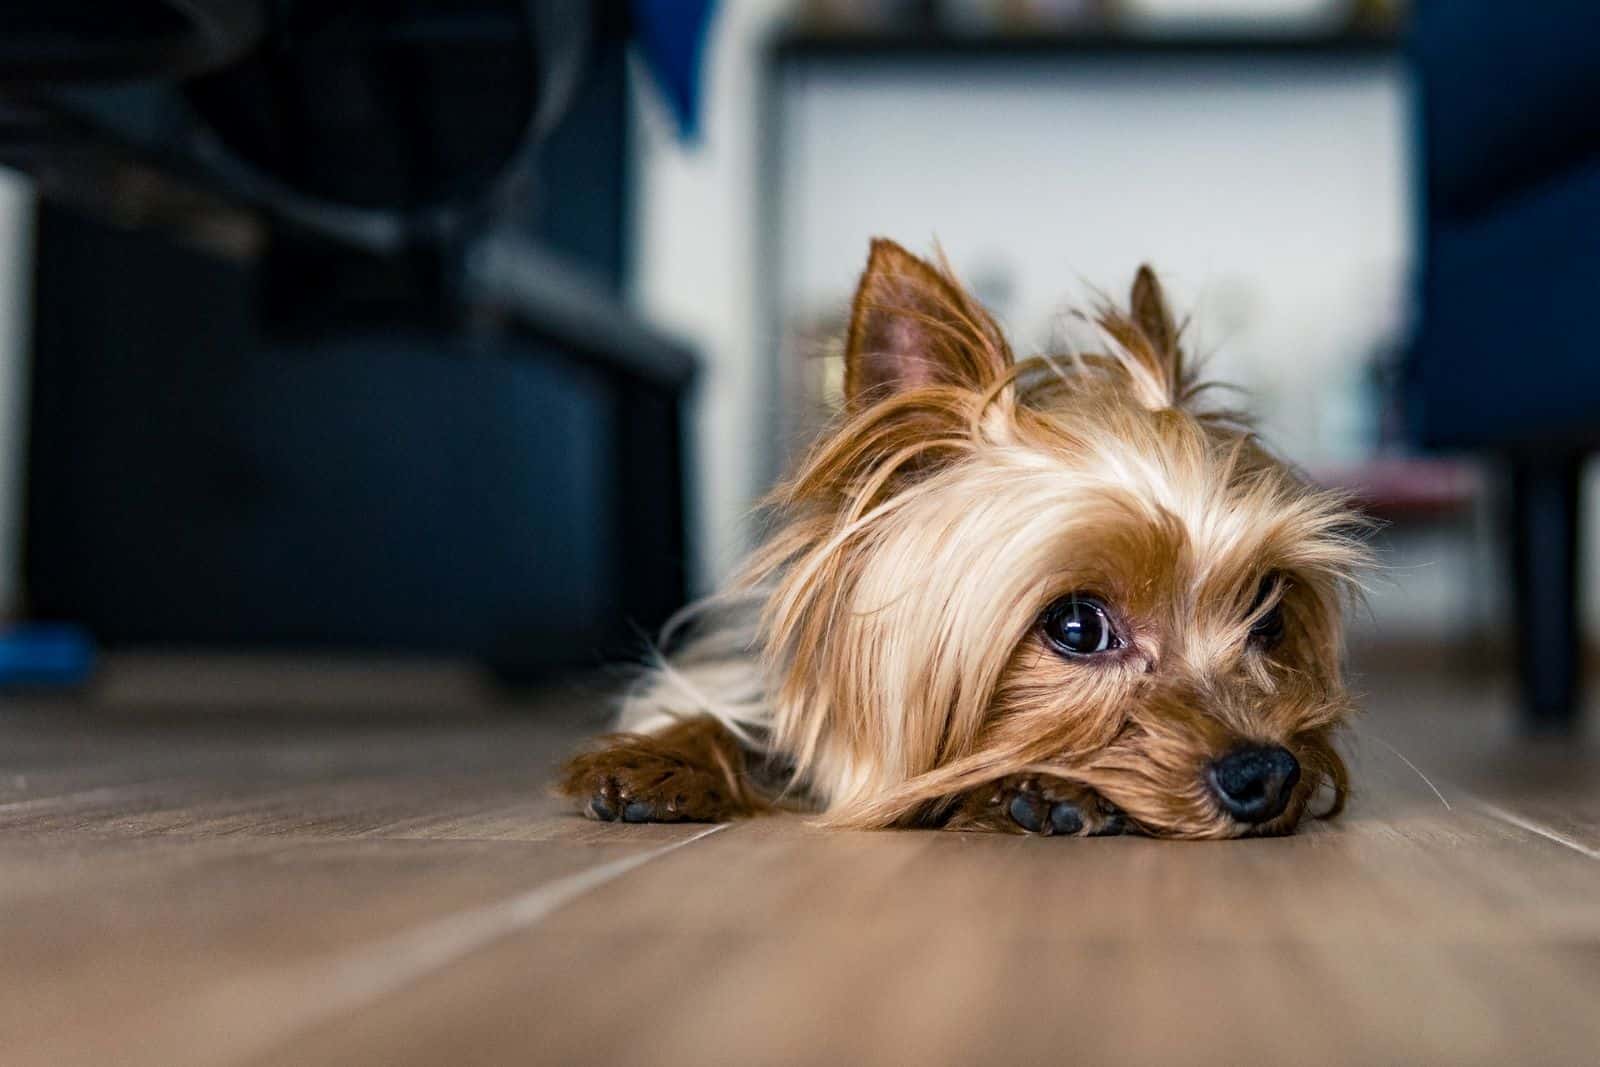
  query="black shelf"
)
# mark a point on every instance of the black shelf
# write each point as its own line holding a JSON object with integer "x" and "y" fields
{"x": 921, "y": 46}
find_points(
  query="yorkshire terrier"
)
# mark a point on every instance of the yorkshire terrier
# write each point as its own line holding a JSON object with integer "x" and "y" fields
{"x": 1060, "y": 596}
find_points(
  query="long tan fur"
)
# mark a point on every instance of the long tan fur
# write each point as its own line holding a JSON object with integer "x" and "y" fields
{"x": 883, "y": 644}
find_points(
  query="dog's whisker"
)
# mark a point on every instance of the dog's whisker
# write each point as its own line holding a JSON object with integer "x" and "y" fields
{"x": 1363, "y": 732}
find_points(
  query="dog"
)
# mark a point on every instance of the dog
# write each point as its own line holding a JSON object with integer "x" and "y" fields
{"x": 1067, "y": 595}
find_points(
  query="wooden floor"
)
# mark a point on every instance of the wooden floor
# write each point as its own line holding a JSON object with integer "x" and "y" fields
{"x": 217, "y": 864}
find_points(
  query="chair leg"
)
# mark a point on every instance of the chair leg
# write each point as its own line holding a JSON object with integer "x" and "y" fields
{"x": 1545, "y": 554}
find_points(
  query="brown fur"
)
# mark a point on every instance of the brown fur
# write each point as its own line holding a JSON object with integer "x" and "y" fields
{"x": 885, "y": 642}
{"x": 694, "y": 771}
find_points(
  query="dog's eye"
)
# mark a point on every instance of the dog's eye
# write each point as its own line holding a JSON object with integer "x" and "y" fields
{"x": 1267, "y": 630}
{"x": 1079, "y": 625}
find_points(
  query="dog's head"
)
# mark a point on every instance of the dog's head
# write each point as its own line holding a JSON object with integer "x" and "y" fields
{"x": 1069, "y": 564}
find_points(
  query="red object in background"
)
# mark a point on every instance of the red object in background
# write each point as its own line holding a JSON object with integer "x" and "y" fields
{"x": 1403, "y": 488}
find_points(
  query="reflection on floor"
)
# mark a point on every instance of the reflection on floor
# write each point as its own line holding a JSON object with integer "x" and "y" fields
{"x": 335, "y": 865}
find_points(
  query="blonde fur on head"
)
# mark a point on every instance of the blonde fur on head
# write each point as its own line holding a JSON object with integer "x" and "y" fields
{"x": 886, "y": 646}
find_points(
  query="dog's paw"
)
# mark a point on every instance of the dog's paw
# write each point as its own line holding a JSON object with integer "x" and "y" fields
{"x": 1039, "y": 804}
{"x": 631, "y": 783}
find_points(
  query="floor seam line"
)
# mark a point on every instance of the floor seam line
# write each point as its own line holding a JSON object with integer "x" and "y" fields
{"x": 1522, "y": 822}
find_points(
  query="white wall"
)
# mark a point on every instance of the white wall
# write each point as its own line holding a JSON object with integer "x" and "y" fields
{"x": 695, "y": 273}
{"x": 1273, "y": 200}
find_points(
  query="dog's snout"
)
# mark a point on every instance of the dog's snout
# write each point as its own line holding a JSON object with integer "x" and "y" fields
{"x": 1254, "y": 784}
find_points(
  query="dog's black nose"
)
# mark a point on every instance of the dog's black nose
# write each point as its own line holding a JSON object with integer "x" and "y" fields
{"x": 1254, "y": 784}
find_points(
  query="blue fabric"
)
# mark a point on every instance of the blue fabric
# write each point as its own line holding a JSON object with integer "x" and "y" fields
{"x": 1504, "y": 356}
{"x": 1508, "y": 95}
{"x": 671, "y": 36}
{"x": 1507, "y": 352}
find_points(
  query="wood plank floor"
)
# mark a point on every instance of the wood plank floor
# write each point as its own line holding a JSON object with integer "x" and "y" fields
{"x": 219, "y": 863}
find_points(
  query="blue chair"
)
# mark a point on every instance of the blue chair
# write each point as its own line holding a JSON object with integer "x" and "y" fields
{"x": 1506, "y": 358}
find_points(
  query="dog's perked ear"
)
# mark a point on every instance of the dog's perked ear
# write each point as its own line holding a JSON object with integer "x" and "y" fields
{"x": 912, "y": 325}
{"x": 1150, "y": 312}
{"x": 1147, "y": 343}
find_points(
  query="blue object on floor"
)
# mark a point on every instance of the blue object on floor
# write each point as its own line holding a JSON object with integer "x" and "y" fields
{"x": 45, "y": 654}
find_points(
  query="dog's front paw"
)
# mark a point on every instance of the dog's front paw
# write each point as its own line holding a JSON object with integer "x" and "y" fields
{"x": 1039, "y": 804}
{"x": 631, "y": 782}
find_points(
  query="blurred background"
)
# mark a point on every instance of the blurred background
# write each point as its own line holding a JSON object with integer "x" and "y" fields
{"x": 474, "y": 330}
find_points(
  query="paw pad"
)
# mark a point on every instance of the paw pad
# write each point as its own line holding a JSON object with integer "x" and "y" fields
{"x": 1065, "y": 818}
{"x": 1049, "y": 807}
{"x": 1026, "y": 812}
{"x": 1034, "y": 813}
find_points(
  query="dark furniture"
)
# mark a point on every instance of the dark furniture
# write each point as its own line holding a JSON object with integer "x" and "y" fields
{"x": 329, "y": 342}
{"x": 1504, "y": 358}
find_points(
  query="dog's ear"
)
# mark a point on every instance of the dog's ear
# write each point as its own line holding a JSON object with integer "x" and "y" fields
{"x": 1150, "y": 312}
{"x": 1147, "y": 343}
{"x": 912, "y": 325}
